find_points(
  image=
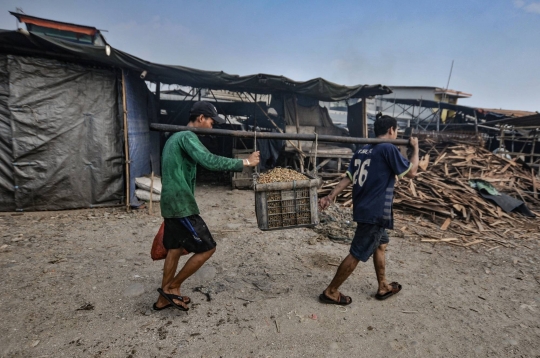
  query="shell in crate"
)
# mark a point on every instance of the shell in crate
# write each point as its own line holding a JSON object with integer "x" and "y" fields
{"x": 286, "y": 204}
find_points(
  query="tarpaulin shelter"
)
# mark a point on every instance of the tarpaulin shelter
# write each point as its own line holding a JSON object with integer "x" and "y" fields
{"x": 63, "y": 106}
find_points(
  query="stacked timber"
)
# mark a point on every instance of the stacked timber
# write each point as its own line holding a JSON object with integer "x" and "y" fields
{"x": 441, "y": 192}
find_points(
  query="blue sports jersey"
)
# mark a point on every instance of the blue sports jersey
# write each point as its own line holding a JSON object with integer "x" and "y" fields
{"x": 373, "y": 171}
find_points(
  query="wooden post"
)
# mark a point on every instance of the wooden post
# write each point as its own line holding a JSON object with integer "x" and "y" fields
{"x": 126, "y": 143}
{"x": 150, "y": 208}
{"x": 364, "y": 118}
{"x": 475, "y": 123}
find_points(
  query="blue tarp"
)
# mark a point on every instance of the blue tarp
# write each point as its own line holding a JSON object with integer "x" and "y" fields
{"x": 143, "y": 145}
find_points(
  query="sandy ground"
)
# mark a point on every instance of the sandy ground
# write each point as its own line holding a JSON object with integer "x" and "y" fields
{"x": 81, "y": 284}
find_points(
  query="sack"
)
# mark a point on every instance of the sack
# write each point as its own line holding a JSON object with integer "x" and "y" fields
{"x": 145, "y": 195}
{"x": 144, "y": 183}
{"x": 159, "y": 252}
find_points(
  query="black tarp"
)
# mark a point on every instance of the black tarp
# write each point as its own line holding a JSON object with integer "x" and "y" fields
{"x": 34, "y": 44}
{"x": 66, "y": 135}
{"x": 7, "y": 186}
{"x": 354, "y": 120}
{"x": 178, "y": 111}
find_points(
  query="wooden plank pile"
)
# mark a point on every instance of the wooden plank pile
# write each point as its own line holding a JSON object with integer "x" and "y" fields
{"x": 441, "y": 192}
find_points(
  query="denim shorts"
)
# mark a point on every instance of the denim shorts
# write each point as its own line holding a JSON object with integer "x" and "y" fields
{"x": 176, "y": 235}
{"x": 367, "y": 238}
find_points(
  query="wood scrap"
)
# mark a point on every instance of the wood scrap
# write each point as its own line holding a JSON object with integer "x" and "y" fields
{"x": 441, "y": 190}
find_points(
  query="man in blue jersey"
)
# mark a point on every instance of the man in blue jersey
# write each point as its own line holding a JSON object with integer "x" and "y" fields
{"x": 372, "y": 172}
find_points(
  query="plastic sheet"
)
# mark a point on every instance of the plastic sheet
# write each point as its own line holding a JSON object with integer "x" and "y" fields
{"x": 67, "y": 135}
{"x": 7, "y": 193}
{"x": 144, "y": 153}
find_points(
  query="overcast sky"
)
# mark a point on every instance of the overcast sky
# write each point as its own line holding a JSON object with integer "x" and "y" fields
{"x": 495, "y": 44}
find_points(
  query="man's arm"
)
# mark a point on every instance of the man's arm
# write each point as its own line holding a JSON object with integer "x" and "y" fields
{"x": 413, "y": 141}
{"x": 327, "y": 200}
{"x": 198, "y": 152}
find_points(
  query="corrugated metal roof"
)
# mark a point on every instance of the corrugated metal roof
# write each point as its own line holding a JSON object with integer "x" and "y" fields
{"x": 506, "y": 112}
{"x": 526, "y": 121}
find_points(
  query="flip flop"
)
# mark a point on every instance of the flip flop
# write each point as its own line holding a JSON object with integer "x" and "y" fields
{"x": 170, "y": 297}
{"x": 343, "y": 300}
{"x": 396, "y": 287}
{"x": 156, "y": 308}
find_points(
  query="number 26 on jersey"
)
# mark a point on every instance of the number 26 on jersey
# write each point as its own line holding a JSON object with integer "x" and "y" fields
{"x": 360, "y": 175}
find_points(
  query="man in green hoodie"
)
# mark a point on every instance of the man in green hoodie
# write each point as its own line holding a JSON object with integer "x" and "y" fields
{"x": 185, "y": 230}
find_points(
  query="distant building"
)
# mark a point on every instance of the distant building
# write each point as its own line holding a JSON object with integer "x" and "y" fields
{"x": 384, "y": 103}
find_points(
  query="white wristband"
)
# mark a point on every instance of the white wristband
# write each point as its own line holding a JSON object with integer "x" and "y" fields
{"x": 247, "y": 161}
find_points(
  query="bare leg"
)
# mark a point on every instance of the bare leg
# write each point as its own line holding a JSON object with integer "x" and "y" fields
{"x": 344, "y": 270}
{"x": 169, "y": 269}
{"x": 170, "y": 265}
{"x": 191, "y": 266}
{"x": 380, "y": 269}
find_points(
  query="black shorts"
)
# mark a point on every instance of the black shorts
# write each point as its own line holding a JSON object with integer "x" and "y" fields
{"x": 367, "y": 238}
{"x": 176, "y": 235}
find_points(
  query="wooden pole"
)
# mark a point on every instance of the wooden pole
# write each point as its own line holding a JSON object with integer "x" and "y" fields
{"x": 297, "y": 121}
{"x": 364, "y": 118}
{"x": 150, "y": 208}
{"x": 126, "y": 143}
{"x": 271, "y": 135}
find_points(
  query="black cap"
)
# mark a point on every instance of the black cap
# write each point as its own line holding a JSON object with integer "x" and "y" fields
{"x": 207, "y": 109}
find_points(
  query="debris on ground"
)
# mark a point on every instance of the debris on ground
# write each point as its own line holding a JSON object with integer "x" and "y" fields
{"x": 442, "y": 192}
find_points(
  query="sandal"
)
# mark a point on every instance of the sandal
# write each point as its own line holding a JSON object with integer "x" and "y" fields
{"x": 396, "y": 287}
{"x": 156, "y": 308}
{"x": 171, "y": 297}
{"x": 343, "y": 300}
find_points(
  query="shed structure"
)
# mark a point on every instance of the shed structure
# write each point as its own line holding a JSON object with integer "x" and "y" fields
{"x": 74, "y": 116}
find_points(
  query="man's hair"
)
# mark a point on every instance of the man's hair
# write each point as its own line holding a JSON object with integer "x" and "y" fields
{"x": 193, "y": 117}
{"x": 383, "y": 124}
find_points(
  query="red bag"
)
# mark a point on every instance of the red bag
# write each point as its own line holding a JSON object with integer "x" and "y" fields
{"x": 159, "y": 252}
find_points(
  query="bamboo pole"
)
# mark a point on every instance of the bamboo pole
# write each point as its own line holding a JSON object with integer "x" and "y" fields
{"x": 150, "y": 207}
{"x": 297, "y": 121}
{"x": 270, "y": 135}
{"x": 126, "y": 144}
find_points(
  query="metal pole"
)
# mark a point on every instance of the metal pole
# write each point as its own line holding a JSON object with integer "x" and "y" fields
{"x": 270, "y": 135}
{"x": 364, "y": 118}
{"x": 438, "y": 117}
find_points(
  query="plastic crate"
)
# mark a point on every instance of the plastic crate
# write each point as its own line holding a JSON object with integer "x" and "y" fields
{"x": 287, "y": 205}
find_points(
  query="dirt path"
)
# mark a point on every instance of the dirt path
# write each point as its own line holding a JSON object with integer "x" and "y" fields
{"x": 81, "y": 284}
